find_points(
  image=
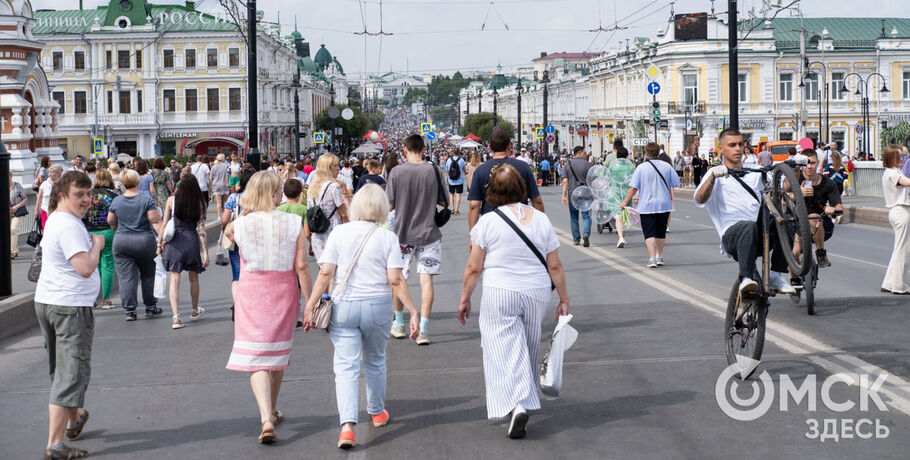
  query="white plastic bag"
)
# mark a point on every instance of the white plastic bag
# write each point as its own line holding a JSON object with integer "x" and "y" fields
{"x": 551, "y": 367}
{"x": 160, "y": 279}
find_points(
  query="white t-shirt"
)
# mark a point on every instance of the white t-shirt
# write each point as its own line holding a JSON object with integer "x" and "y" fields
{"x": 59, "y": 284}
{"x": 46, "y": 187}
{"x": 370, "y": 278}
{"x": 235, "y": 167}
{"x": 750, "y": 159}
{"x": 201, "y": 171}
{"x": 347, "y": 175}
{"x": 653, "y": 194}
{"x": 509, "y": 263}
{"x": 730, "y": 202}
{"x": 895, "y": 195}
{"x": 824, "y": 157}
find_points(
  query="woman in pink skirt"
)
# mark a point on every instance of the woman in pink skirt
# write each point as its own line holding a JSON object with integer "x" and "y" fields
{"x": 272, "y": 266}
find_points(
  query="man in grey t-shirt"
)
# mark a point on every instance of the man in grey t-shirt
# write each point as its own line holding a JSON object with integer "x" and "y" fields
{"x": 414, "y": 189}
{"x": 576, "y": 173}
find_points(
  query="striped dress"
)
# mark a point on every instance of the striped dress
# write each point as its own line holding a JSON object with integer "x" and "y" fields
{"x": 267, "y": 303}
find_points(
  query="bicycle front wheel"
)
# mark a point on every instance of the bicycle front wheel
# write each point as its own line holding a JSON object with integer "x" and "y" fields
{"x": 793, "y": 222}
{"x": 744, "y": 333}
{"x": 809, "y": 283}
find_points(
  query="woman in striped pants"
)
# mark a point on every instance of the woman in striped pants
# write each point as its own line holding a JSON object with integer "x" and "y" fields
{"x": 516, "y": 292}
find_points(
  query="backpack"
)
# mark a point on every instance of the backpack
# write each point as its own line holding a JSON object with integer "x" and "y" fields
{"x": 316, "y": 218}
{"x": 454, "y": 169}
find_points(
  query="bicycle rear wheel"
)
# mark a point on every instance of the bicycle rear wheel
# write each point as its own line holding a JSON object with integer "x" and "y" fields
{"x": 809, "y": 287}
{"x": 794, "y": 223}
{"x": 744, "y": 336}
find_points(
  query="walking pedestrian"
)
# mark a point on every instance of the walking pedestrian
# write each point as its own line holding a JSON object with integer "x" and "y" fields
{"x": 203, "y": 175}
{"x": 373, "y": 169}
{"x": 292, "y": 189}
{"x": 187, "y": 250}
{"x": 896, "y": 188}
{"x": 576, "y": 175}
{"x": 362, "y": 310}
{"x": 95, "y": 221}
{"x": 220, "y": 190}
{"x": 653, "y": 181}
{"x": 346, "y": 175}
{"x": 114, "y": 169}
{"x": 161, "y": 181}
{"x": 476, "y": 160}
{"x": 135, "y": 220}
{"x": 17, "y": 211}
{"x": 66, "y": 291}
{"x": 232, "y": 210}
{"x": 454, "y": 167}
{"x": 43, "y": 200}
{"x": 274, "y": 272}
{"x": 43, "y": 173}
{"x": 516, "y": 292}
{"x": 414, "y": 190}
{"x": 235, "y": 168}
{"x": 146, "y": 181}
{"x": 620, "y": 168}
{"x": 325, "y": 192}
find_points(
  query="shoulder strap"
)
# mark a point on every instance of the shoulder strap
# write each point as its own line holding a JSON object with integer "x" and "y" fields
{"x": 326, "y": 190}
{"x": 439, "y": 186}
{"x": 659, "y": 174}
{"x": 569, "y": 165}
{"x": 523, "y": 237}
{"x": 748, "y": 189}
{"x": 344, "y": 281}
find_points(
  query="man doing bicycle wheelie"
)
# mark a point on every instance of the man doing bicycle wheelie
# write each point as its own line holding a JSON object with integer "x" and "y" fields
{"x": 734, "y": 204}
{"x": 822, "y": 201}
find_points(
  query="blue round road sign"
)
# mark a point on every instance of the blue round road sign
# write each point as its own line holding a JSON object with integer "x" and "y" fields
{"x": 431, "y": 136}
{"x": 653, "y": 87}
{"x": 551, "y": 129}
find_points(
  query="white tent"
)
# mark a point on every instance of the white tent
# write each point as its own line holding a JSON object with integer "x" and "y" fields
{"x": 367, "y": 147}
{"x": 454, "y": 139}
{"x": 468, "y": 144}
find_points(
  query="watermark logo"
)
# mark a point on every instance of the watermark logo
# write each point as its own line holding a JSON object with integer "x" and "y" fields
{"x": 726, "y": 391}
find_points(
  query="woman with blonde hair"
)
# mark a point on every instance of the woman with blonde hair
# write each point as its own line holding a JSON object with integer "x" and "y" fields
{"x": 95, "y": 221}
{"x": 326, "y": 192}
{"x": 267, "y": 302}
{"x": 362, "y": 313}
{"x": 897, "y": 199}
{"x": 43, "y": 201}
{"x": 220, "y": 190}
{"x": 476, "y": 160}
{"x": 114, "y": 169}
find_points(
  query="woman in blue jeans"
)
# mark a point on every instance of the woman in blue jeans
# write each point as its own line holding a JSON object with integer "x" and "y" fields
{"x": 233, "y": 210}
{"x": 362, "y": 313}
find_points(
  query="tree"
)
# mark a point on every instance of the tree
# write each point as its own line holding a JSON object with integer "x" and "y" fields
{"x": 415, "y": 95}
{"x": 481, "y": 124}
{"x": 443, "y": 115}
{"x": 353, "y": 128}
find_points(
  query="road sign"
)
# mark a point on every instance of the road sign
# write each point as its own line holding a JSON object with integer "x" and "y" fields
{"x": 859, "y": 128}
{"x": 334, "y": 112}
{"x": 319, "y": 137}
{"x": 98, "y": 146}
{"x": 426, "y": 127}
{"x": 653, "y": 71}
{"x": 551, "y": 138}
{"x": 539, "y": 132}
{"x": 653, "y": 88}
{"x": 571, "y": 129}
{"x": 431, "y": 136}
{"x": 721, "y": 122}
{"x": 347, "y": 114}
{"x": 640, "y": 142}
{"x": 664, "y": 124}
{"x": 689, "y": 125}
{"x": 551, "y": 129}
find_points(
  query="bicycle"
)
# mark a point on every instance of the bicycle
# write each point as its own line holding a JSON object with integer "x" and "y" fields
{"x": 809, "y": 281}
{"x": 782, "y": 206}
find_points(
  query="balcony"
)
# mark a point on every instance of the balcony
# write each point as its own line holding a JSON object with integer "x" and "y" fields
{"x": 127, "y": 119}
{"x": 680, "y": 108}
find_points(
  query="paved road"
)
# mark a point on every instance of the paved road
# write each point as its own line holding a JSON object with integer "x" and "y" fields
{"x": 639, "y": 383}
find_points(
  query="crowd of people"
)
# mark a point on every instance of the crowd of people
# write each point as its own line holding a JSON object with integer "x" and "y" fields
{"x": 382, "y": 215}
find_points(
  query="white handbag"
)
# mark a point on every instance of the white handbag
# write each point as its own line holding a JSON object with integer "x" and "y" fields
{"x": 563, "y": 338}
{"x": 169, "y": 228}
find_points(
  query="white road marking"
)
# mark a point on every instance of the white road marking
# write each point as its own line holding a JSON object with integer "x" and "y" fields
{"x": 895, "y": 390}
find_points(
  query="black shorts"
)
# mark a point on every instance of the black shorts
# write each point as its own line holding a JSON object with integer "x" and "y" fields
{"x": 654, "y": 225}
{"x": 828, "y": 225}
{"x": 456, "y": 188}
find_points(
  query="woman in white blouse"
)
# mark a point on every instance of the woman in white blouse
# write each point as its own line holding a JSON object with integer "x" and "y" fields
{"x": 362, "y": 314}
{"x": 897, "y": 199}
{"x": 516, "y": 292}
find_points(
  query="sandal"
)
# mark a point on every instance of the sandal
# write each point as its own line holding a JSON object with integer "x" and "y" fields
{"x": 267, "y": 436}
{"x": 178, "y": 323}
{"x": 278, "y": 416}
{"x": 198, "y": 312}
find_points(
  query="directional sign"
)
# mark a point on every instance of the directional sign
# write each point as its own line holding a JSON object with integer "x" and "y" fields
{"x": 539, "y": 133}
{"x": 551, "y": 129}
{"x": 721, "y": 122}
{"x": 431, "y": 136}
{"x": 653, "y": 88}
{"x": 319, "y": 137}
{"x": 426, "y": 127}
{"x": 98, "y": 145}
{"x": 551, "y": 138}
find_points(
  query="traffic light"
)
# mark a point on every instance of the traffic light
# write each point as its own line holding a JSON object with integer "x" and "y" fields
{"x": 696, "y": 141}
{"x": 656, "y": 112}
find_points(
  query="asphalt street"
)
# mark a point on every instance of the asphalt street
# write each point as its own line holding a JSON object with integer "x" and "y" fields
{"x": 639, "y": 383}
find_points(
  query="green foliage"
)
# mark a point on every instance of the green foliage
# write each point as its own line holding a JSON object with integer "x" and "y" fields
{"x": 898, "y": 135}
{"x": 444, "y": 90}
{"x": 481, "y": 124}
{"x": 414, "y": 95}
{"x": 639, "y": 129}
{"x": 384, "y": 102}
{"x": 353, "y": 128}
{"x": 443, "y": 115}
{"x": 354, "y": 98}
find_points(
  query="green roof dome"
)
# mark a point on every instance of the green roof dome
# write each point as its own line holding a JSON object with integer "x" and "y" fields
{"x": 295, "y": 35}
{"x": 323, "y": 58}
{"x": 338, "y": 65}
{"x": 306, "y": 65}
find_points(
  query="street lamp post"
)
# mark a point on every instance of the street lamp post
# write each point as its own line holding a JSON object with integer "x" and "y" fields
{"x": 686, "y": 130}
{"x": 518, "y": 127}
{"x": 494, "y": 108}
{"x": 296, "y": 86}
{"x": 545, "y": 80}
{"x": 252, "y": 87}
{"x": 332, "y": 95}
{"x": 862, "y": 90}
{"x": 480, "y": 101}
{"x": 827, "y": 135}
{"x": 6, "y": 267}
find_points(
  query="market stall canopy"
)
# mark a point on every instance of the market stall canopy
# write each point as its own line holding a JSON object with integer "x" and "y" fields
{"x": 472, "y": 137}
{"x": 468, "y": 144}
{"x": 367, "y": 147}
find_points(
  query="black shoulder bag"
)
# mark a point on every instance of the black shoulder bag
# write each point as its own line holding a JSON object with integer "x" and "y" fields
{"x": 528, "y": 242}
{"x": 316, "y": 218}
{"x": 661, "y": 177}
{"x": 441, "y": 217}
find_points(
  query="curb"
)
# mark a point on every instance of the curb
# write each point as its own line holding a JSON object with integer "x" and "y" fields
{"x": 17, "y": 312}
{"x": 877, "y": 217}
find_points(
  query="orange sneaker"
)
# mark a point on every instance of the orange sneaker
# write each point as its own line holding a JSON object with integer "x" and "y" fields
{"x": 381, "y": 419}
{"x": 346, "y": 440}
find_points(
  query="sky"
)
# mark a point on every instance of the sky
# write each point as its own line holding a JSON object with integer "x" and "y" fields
{"x": 442, "y": 36}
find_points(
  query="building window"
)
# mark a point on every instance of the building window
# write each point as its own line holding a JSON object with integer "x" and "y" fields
{"x": 60, "y": 98}
{"x": 138, "y": 59}
{"x": 785, "y": 91}
{"x": 190, "y": 58}
{"x": 124, "y": 102}
{"x": 79, "y": 60}
{"x": 168, "y": 147}
{"x": 139, "y": 101}
{"x": 211, "y": 57}
{"x": 234, "y": 57}
{"x": 79, "y": 102}
{"x": 110, "y": 102}
{"x": 57, "y": 58}
{"x": 785, "y": 136}
{"x": 107, "y": 59}
{"x": 170, "y": 103}
{"x": 234, "y": 99}
{"x": 837, "y": 82}
{"x": 743, "y": 85}
{"x": 212, "y": 99}
{"x": 168, "y": 59}
{"x": 690, "y": 89}
{"x": 189, "y": 95}
{"x": 810, "y": 87}
{"x": 123, "y": 59}
{"x": 905, "y": 86}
